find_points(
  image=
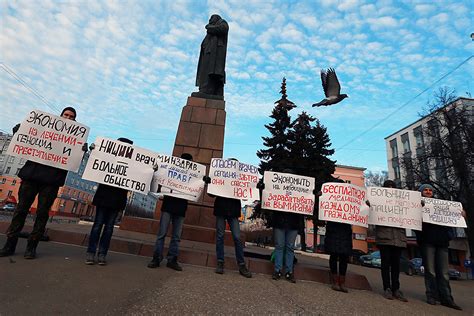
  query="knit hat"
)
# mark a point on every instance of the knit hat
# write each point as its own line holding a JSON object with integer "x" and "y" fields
{"x": 187, "y": 156}
{"x": 125, "y": 140}
{"x": 425, "y": 186}
{"x": 69, "y": 108}
{"x": 389, "y": 184}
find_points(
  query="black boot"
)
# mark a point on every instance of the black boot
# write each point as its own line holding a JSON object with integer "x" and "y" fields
{"x": 155, "y": 262}
{"x": 30, "y": 252}
{"x": 173, "y": 264}
{"x": 9, "y": 247}
{"x": 220, "y": 267}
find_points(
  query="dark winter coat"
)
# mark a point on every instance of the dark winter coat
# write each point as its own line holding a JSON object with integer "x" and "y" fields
{"x": 286, "y": 220}
{"x": 227, "y": 207}
{"x": 390, "y": 236}
{"x": 174, "y": 206}
{"x": 435, "y": 235}
{"x": 36, "y": 172}
{"x": 110, "y": 197}
{"x": 338, "y": 238}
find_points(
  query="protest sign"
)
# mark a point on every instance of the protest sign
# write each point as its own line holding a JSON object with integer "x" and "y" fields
{"x": 50, "y": 140}
{"x": 394, "y": 207}
{"x": 178, "y": 177}
{"x": 442, "y": 212}
{"x": 343, "y": 203}
{"x": 288, "y": 193}
{"x": 233, "y": 179}
{"x": 121, "y": 165}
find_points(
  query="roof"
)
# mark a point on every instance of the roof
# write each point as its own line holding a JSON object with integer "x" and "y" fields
{"x": 351, "y": 167}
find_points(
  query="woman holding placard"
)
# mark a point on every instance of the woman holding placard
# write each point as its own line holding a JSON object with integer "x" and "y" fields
{"x": 338, "y": 243}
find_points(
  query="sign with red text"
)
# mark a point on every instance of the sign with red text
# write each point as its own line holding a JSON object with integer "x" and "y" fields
{"x": 442, "y": 212}
{"x": 343, "y": 203}
{"x": 179, "y": 178}
{"x": 288, "y": 192}
{"x": 233, "y": 179}
{"x": 50, "y": 140}
{"x": 121, "y": 165}
{"x": 395, "y": 208}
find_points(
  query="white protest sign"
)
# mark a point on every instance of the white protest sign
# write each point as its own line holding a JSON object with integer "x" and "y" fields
{"x": 442, "y": 212}
{"x": 50, "y": 140}
{"x": 233, "y": 179}
{"x": 121, "y": 165}
{"x": 343, "y": 203}
{"x": 288, "y": 193}
{"x": 394, "y": 207}
{"x": 178, "y": 177}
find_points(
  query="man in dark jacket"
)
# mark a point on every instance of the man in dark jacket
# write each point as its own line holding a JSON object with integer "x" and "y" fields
{"x": 109, "y": 201}
{"x": 434, "y": 242}
{"x": 36, "y": 180}
{"x": 173, "y": 210}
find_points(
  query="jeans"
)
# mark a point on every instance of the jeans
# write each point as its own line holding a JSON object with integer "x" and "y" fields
{"x": 435, "y": 262}
{"x": 26, "y": 196}
{"x": 104, "y": 217}
{"x": 235, "y": 230}
{"x": 177, "y": 227}
{"x": 390, "y": 266}
{"x": 343, "y": 260}
{"x": 284, "y": 244}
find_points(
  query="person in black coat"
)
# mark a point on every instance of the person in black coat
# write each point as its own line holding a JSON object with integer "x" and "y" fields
{"x": 36, "y": 180}
{"x": 109, "y": 201}
{"x": 173, "y": 210}
{"x": 338, "y": 243}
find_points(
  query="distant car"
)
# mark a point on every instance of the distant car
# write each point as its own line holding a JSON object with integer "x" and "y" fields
{"x": 356, "y": 254}
{"x": 454, "y": 274}
{"x": 418, "y": 266}
{"x": 371, "y": 260}
{"x": 9, "y": 207}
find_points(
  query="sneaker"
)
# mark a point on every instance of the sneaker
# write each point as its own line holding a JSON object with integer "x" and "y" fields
{"x": 290, "y": 277}
{"x": 397, "y": 294}
{"x": 173, "y": 264}
{"x": 90, "y": 258}
{"x": 276, "y": 275}
{"x": 388, "y": 294}
{"x": 220, "y": 267}
{"x": 452, "y": 305}
{"x": 244, "y": 271}
{"x": 101, "y": 260}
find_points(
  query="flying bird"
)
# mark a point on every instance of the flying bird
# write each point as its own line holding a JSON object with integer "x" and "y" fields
{"x": 332, "y": 88}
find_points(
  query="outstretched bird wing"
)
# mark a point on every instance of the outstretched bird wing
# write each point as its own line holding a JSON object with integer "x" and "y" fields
{"x": 324, "y": 81}
{"x": 332, "y": 88}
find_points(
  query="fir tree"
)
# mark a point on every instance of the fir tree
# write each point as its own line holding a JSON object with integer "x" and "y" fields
{"x": 276, "y": 156}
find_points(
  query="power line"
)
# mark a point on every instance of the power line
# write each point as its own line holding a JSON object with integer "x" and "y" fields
{"x": 10, "y": 71}
{"x": 405, "y": 104}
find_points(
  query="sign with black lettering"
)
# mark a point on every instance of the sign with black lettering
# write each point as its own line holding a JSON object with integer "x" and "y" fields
{"x": 343, "y": 203}
{"x": 288, "y": 193}
{"x": 233, "y": 179}
{"x": 442, "y": 212}
{"x": 395, "y": 207}
{"x": 50, "y": 140}
{"x": 121, "y": 165}
{"x": 179, "y": 178}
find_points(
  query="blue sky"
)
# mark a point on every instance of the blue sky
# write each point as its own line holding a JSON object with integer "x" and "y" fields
{"x": 129, "y": 66}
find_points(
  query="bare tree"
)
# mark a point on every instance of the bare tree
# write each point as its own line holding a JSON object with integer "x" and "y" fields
{"x": 375, "y": 179}
{"x": 445, "y": 153}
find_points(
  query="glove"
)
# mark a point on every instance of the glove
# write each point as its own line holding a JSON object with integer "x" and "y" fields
{"x": 423, "y": 203}
{"x": 261, "y": 185}
{"x": 155, "y": 167}
{"x": 92, "y": 146}
{"x": 368, "y": 203}
{"x": 84, "y": 147}
{"x": 206, "y": 179}
{"x": 16, "y": 128}
{"x": 318, "y": 193}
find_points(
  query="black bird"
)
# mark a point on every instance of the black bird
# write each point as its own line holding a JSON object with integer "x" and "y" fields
{"x": 332, "y": 88}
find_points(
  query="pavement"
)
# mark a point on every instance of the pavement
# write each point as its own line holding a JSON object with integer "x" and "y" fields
{"x": 58, "y": 282}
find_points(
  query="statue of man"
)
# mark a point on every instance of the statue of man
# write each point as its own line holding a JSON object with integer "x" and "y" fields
{"x": 210, "y": 76}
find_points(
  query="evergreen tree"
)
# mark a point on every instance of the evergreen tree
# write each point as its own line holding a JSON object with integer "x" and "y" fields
{"x": 276, "y": 156}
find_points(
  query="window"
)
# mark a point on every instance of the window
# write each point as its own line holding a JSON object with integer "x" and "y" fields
{"x": 4, "y": 180}
{"x": 418, "y": 133}
{"x": 10, "y": 193}
{"x": 11, "y": 160}
{"x": 396, "y": 170}
{"x": 393, "y": 146}
{"x": 14, "y": 182}
{"x": 405, "y": 143}
{"x": 17, "y": 171}
{"x": 22, "y": 161}
{"x": 2, "y": 158}
{"x": 7, "y": 171}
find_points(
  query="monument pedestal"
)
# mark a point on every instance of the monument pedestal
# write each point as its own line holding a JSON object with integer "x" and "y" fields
{"x": 201, "y": 134}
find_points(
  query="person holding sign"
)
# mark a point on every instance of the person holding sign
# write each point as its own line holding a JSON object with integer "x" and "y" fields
{"x": 434, "y": 242}
{"x": 109, "y": 201}
{"x": 391, "y": 241}
{"x": 36, "y": 180}
{"x": 173, "y": 210}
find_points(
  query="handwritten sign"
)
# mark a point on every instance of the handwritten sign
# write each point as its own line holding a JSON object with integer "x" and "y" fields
{"x": 442, "y": 212}
{"x": 233, "y": 179}
{"x": 288, "y": 193}
{"x": 181, "y": 176}
{"x": 50, "y": 140}
{"x": 120, "y": 165}
{"x": 395, "y": 207}
{"x": 343, "y": 203}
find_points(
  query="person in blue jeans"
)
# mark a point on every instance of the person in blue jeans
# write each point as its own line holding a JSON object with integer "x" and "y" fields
{"x": 109, "y": 201}
{"x": 434, "y": 242}
{"x": 173, "y": 211}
